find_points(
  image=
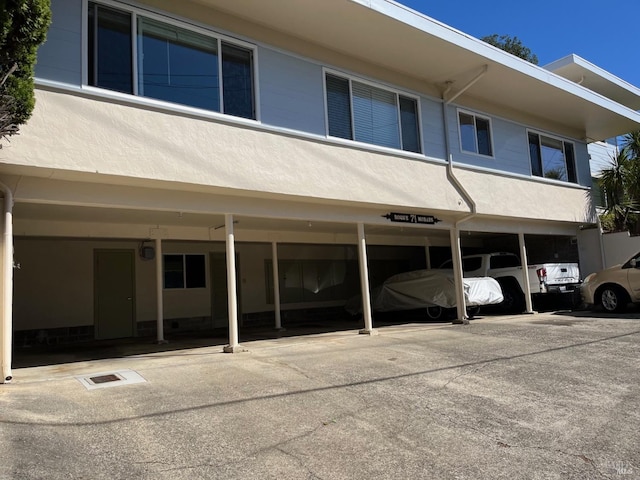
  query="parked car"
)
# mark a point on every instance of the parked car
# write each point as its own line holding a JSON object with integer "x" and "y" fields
{"x": 615, "y": 287}
{"x": 430, "y": 289}
{"x": 545, "y": 279}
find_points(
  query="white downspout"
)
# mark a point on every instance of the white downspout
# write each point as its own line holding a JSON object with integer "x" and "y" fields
{"x": 6, "y": 327}
{"x": 461, "y": 308}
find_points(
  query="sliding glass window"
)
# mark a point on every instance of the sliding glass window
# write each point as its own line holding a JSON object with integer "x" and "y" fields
{"x": 552, "y": 158}
{"x": 173, "y": 64}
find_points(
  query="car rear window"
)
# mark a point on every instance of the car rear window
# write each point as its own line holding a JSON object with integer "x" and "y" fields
{"x": 504, "y": 261}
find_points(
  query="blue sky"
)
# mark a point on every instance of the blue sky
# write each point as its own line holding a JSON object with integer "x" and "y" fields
{"x": 603, "y": 32}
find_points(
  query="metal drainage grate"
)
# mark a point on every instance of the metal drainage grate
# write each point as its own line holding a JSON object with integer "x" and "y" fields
{"x": 110, "y": 379}
{"x": 105, "y": 378}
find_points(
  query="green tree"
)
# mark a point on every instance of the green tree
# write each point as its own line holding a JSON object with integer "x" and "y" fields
{"x": 513, "y": 45}
{"x": 621, "y": 185}
{"x": 23, "y": 27}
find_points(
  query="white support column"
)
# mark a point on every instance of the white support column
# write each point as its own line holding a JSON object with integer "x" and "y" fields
{"x": 159, "y": 293}
{"x": 6, "y": 321}
{"x": 525, "y": 273}
{"x": 364, "y": 282}
{"x": 276, "y": 285}
{"x": 232, "y": 294}
{"x": 427, "y": 253}
{"x": 456, "y": 256}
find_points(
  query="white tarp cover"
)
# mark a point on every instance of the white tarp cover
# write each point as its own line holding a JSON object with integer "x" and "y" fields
{"x": 426, "y": 288}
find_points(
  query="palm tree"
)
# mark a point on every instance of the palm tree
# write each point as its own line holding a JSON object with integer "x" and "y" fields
{"x": 620, "y": 184}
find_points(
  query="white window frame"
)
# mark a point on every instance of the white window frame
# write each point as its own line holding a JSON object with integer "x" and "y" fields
{"x": 562, "y": 141}
{"x": 475, "y": 139}
{"x": 351, "y": 78}
{"x": 181, "y": 23}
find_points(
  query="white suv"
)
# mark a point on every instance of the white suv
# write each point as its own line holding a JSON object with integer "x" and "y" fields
{"x": 615, "y": 287}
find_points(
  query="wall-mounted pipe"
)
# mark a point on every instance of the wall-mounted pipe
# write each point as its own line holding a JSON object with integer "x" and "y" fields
{"x": 6, "y": 317}
{"x": 461, "y": 308}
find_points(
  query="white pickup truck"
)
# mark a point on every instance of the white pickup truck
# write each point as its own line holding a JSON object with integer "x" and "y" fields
{"x": 506, "y": 268}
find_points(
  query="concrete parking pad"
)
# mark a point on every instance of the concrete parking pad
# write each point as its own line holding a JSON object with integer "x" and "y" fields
{"x": 548, "y": 396}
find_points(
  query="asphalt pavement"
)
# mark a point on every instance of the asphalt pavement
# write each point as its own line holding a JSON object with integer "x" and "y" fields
{"x": 546, "y": 396}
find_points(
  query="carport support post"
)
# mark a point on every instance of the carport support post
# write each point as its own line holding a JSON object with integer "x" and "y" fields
{"x": 159, "y": 297}
{"x": 276, "y": 285}
{"x": 6, "y": 316}
{"x": 525, "y": 273}
{"x": 456, "y": 256}
{"x": 364, "y": 282}
{"x": 232, "y": 294}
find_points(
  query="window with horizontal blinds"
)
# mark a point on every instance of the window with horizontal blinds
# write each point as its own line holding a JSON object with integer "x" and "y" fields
{"x": 339, "y": 107}
{"x": 370, "y": 114}
{"x": 375, "y": 116}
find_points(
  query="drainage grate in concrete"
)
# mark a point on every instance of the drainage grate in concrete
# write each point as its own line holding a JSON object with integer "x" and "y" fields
{"x": 110, "y": 379}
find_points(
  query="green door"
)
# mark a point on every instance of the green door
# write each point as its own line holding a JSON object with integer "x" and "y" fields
{"x": 114, "y": 293}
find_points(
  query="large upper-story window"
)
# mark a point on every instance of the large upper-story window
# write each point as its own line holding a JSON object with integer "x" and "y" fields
{"x": 133, "y": 54}
{"x": 475, "y": 134}
{"x": 370, "y": 114}
{"x": 552, "y": 158}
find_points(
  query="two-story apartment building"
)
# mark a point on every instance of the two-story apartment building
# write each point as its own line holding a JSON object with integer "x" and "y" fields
{"x": 205, "y": 163}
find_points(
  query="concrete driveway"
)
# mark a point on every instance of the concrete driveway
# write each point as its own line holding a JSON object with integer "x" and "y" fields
{"x": 541, "y": 396}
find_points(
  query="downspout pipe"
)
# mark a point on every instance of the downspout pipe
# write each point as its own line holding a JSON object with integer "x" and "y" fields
{"x": 455, "y": 233}
{"x": 6, "y": 318}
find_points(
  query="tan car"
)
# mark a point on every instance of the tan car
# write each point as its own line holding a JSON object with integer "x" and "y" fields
{"x": 615, "y": 287}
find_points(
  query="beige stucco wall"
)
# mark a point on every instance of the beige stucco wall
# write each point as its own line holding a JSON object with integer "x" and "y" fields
{"x": 499, "y": 195}
{"x": 124, "y": 144}
{"x": 72, "y": 133}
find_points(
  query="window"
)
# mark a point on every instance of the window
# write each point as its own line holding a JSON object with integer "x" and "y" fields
{"x": 552, "y": 158}
{"x": 184, "y": 271}
{"x": 362, "y": 112}
{"x": 172, "y": 63}
{"x": 475, "y": 134}
{"x": 469, "y": 264}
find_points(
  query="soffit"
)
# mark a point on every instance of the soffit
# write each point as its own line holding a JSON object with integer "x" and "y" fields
{"x": 579, "y": 70}
{"x": 389, "y": 35}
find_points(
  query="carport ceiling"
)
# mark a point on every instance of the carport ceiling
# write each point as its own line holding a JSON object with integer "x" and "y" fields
{"x": 75, "y": 214}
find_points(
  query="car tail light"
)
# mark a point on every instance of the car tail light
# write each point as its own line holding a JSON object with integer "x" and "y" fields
{"x": 542, "y": 275}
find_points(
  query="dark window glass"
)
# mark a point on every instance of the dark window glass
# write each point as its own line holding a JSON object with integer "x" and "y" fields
{"x": 177, "y": 65}
{"x": 339, "y": 107}
{"x": 504, "y": 261}
{"x": 409, "y": 124}
{"x": 195, "y": 271}
{"x": 110, "y": 57}
{"x": 534, "y": 154}
{"x": 173, "y": 271}
{"x": 484, "y": 136}
{"x": 571, "y": 162}
{"x": 471, "y": 264}
{"x": 237, "y": 81}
